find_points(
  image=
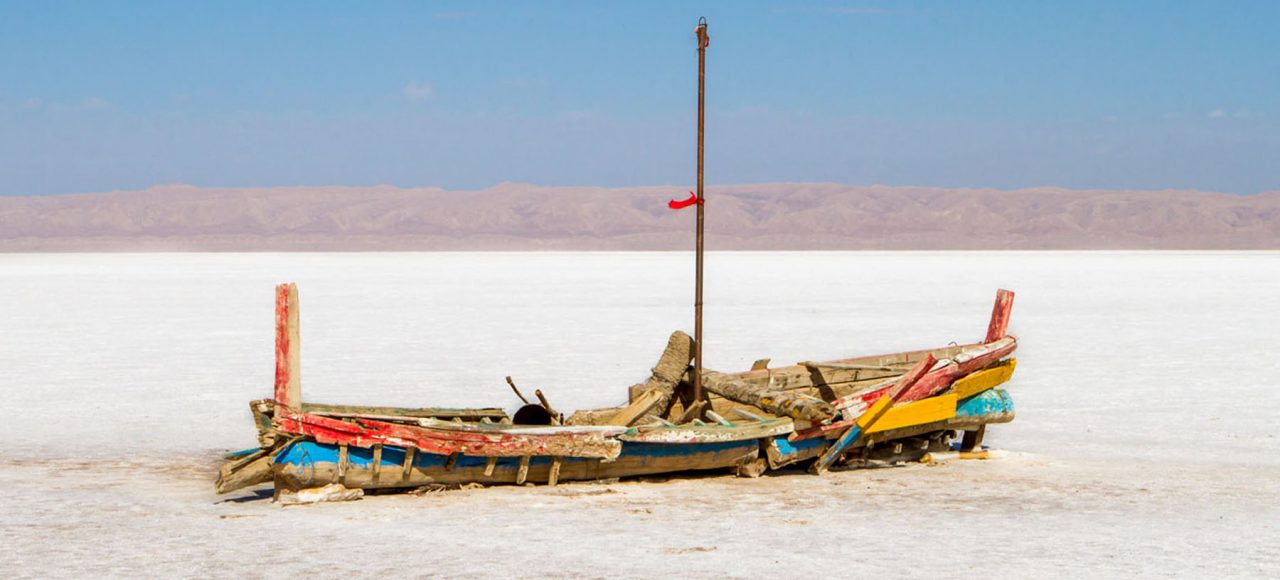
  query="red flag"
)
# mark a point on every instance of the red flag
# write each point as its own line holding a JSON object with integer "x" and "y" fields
{"x": 673, "y": 204}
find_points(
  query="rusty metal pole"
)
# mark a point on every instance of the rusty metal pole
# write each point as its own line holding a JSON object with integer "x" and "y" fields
{"x": 703, "y": 41}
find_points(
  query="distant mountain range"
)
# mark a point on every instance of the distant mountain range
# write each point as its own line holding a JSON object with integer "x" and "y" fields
{"x": 776, "y": 216}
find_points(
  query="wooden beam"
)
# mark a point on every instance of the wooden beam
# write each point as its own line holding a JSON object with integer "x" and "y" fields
{"x": 1000, "y": 312}
{"x": 288, "y": 387}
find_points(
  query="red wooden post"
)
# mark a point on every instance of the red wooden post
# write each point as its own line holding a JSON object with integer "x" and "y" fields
{"x": 288, "y": 389}
{"x": 1000, "y": 315}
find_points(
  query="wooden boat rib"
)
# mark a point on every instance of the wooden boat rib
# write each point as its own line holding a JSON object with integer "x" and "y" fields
{"x": 309, "y": 445}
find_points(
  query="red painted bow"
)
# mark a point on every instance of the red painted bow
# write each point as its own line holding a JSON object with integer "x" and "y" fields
{"x": 673, "y": 204}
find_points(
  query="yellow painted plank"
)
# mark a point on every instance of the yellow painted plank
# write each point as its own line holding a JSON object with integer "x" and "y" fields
{"x": 939, "y": 408}
{"x": 983, "y": 380}
{"x": 874, "y": 412}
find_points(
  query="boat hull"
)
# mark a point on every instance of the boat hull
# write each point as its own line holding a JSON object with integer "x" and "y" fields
{"x": 305, "y": 464}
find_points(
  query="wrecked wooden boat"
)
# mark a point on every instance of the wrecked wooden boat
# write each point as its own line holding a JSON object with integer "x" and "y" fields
{"x": 683, "y": 418}
{"x": 811, "y": 414}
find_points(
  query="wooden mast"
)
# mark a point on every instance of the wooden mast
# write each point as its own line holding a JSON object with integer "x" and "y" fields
{"x": 703, "y": 41}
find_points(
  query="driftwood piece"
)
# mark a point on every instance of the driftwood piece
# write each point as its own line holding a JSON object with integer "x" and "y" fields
{"x": 666, "y": 375}
{"x": 776, "y": 401}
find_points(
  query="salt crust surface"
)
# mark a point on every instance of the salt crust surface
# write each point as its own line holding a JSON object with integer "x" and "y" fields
{"x": 1145, "y": 444}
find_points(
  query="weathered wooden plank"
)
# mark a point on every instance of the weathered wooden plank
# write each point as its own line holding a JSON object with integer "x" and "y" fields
{"x": 782, "y": 403}
{"x": 873, "y": 414}
{"x": 982, "y": 380}
{"x": 760, "y": 364}
{"x": 288, "y": 384}
{"x": 377, "y": 461}
{"x": 851, "y": 367}
{"x": 930, "y": 410}
{"x": 1000, "y": 312}
{"x": 586, "y": 417}
{"x": 398, "y": 413}
{"x": 467, "y": 438}
{"x": 693, "y": 433}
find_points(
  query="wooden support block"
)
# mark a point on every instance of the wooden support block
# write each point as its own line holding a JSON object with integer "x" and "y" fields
{"x": 554, "y": 477}
{"x": 523, "y": 473}
{"x": 1000, "y": 313}
{"x": 451, "y": 461}
{"x": 343, "y": 462}
{"x": 489, "y": 465}
{"x": 288, "y": 385}
{"x": 377, "y": 461}
{"x": 407, "y": 468}
{"x": 972, "y": 439}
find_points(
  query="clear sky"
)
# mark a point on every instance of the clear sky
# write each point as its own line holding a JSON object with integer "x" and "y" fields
{"x": 97, "y": 96}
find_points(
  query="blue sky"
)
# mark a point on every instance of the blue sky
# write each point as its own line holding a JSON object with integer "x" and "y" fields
{"x": 97, "y": 96}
